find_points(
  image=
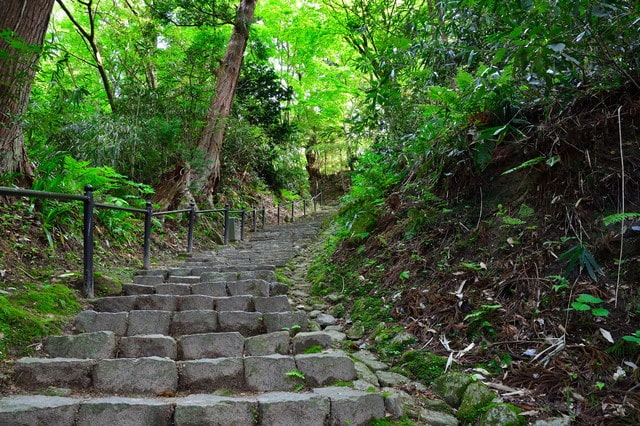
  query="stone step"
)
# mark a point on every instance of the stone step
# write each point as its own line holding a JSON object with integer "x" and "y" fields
{"x": 219, "y": 288}
{"x": 202, "y": 344}
{"x": 242, "y": 302}
{"x": 201, "y": 368}
{"x": 317, "y": 407}
{"x": 241, "y": 296}
{"x": 177, "y": 323}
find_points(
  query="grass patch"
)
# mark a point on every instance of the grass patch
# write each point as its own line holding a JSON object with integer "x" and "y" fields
{"x": 32, "y": 313}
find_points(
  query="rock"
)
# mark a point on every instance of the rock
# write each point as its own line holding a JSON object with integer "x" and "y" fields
{"x": 363, "y": 385}
{"x": 356, "y": 331}
{"x": 107, "y": 286}
{"x": 313, "y": 326}
{"x": 389, "y": 378}
{"x": 306, "y": 340}
{"x": 97, "y": 345}
{"x": 403, "y": 339}
{"x": 370, "y": 360}
{"x": 364, "y": 373}
{"x": 265, "y": 344}
{"x": 314, "y": 314}
{"x": 124, "y": 411}
{"x": 451, "y": 387}
{"x": 500, "y": 415}
{"x": 58, "y": 372}
{"x": 349, "y": 406}
{"x": 476, "y": 396}
{"x": 215, "y": 410}
{"x": 335, "y": 297}
{"x": 553, "y": 421}
{"x": 211, "y": 374}
{"x": 337, "y": 336}
{"x": 325, "y": 319}
{"x": 153, "y": 375}
{"x": 437, "y": 418}
{"x": 396, "y": 401}
{"x": 326, "y": 368}
{"x": 38, "y": 410}
{"x": 285, "y": 408}
{"x": 270, "y": 373}
{"x": 299, "y": 293}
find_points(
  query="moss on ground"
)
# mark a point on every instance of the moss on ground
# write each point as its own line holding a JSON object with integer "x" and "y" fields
{"x": 33, "y": 312}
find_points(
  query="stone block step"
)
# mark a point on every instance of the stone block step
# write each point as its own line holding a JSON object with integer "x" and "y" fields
{"x": 178, "y": 323}
{"x": 105, "y": 344}
{"x": 265, "y": 274}
{"x": 241, "y": 297}
{"x": 224, "y": 370}
{"x": 255, "y": 287}
{"x": 319, "y": 407}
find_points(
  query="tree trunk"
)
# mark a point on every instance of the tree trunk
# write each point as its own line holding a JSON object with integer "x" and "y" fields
{"x": 19, "y": 53}
{"x": 210, "y": 145}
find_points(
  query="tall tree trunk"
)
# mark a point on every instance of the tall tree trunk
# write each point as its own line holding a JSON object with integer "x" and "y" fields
{"x": 27, "y": 20}
{"x": 210, "y": 145}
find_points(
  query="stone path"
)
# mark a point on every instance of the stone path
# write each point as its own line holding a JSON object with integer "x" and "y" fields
{"x": 213, "y": 342}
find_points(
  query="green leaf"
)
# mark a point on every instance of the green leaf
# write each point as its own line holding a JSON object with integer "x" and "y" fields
{"x": 600, "y": 312}
{"x": 552, "y": 161}
{"x": 524, "y": 165}
{"x": 588, "y": 298}
{"x": 580, "y": 306}
{"x": 618, "y": 217}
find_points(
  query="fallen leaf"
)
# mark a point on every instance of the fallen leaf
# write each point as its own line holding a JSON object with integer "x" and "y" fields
{"x": 606, "y": 335}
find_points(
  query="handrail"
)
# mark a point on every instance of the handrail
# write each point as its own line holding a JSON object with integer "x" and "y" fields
{"x": 88, "y": 223}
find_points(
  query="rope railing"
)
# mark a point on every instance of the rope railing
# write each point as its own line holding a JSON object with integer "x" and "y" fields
{"x": 230, "y": 217}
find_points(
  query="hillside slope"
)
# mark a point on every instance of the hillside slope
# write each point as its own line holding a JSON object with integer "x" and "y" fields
{"x": 510, "y": 268}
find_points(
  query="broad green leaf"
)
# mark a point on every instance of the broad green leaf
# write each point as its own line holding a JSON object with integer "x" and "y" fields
{"x": 588, "y": 298}
{"x": 580, "y": 306}
{"x": 600, "y": 312}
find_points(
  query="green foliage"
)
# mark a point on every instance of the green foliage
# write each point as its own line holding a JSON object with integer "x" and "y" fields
{"x": 63, "y": 174}
{"x": 561, "y": 283}
{"x": 315, "y": 349}
{"x": 580, "y": 256}
{"x": 370, "y": 311}
{"x": 530, "y": 163}
{"x": 619, "y": 217}
{"x": 48, "y": 299}
{"x": 422, "y": 365}
{"x": 588, "y": 302}
{"x": 295, "y": 373}
{"x": 480, "y": 320}
{"x": 633, "y": 338}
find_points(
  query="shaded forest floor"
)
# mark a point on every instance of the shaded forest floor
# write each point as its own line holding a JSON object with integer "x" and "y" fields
{"x": 511, "y": 273}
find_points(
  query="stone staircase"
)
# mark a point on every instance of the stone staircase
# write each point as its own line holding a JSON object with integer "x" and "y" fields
{"x": 213, "y": 342}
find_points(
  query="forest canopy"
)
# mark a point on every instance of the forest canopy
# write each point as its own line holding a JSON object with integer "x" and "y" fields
{"x": 127, "y": 84}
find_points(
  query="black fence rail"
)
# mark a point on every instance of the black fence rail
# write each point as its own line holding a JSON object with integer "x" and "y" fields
{"x": 232, "y": 220}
